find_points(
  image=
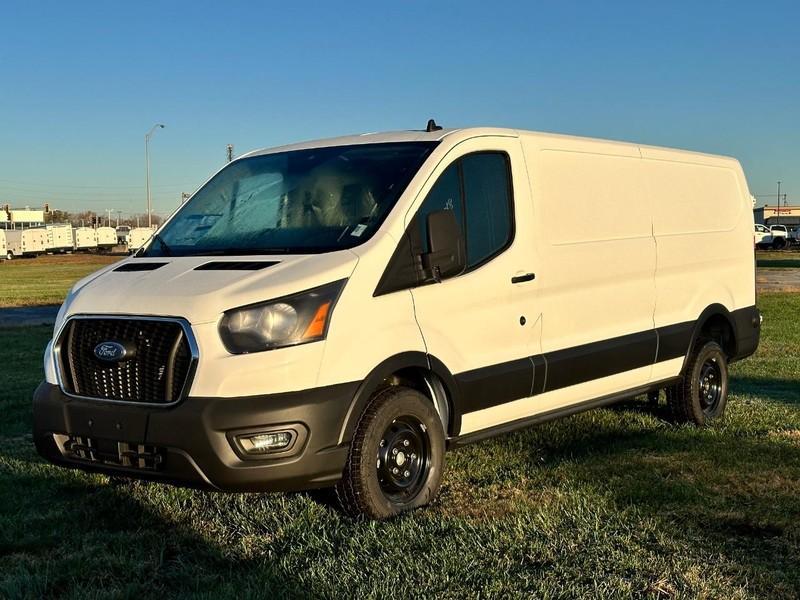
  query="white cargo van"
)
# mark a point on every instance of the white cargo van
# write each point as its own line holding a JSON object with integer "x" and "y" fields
{"x": 59, "y": 238}
{"x": 4, "y": 253}
{"x": 85, "y": 238}
{"x": 106, "y": 238}
{"x": 138, "y": 237}
{"x": 341, "y": 312}
{"x": 25, "y": 242}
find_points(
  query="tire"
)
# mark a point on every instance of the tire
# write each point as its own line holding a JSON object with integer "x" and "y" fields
{"x": 403, "y": 429}
{"x": 778, "y": 243}
{"x": 9, "y": 256}
{"x": 702, "y": 395}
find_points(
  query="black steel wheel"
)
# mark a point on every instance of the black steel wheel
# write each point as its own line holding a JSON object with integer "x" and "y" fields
{"x": 710, "y": 385}
{"x": 703, "y": 392}
{"x": 403, "y": 458}
{"x": 396, "y": 456}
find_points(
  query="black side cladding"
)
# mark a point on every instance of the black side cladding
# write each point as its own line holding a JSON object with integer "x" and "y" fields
{"x": 521, "y": 378}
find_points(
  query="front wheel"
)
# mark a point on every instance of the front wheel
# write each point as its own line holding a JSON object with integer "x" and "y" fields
{"x": 396, "y": 457}
{"x": 702, "y": 395}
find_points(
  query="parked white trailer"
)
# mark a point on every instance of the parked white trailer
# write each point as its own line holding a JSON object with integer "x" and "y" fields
{"x": 25, "y": 242}
{"x": 85, "y": 238}
{"x": 59, "y": 238}
{"x": 3, "y": 247}
{"x": 106, "y": 238}
{"x": 138, "y": 237}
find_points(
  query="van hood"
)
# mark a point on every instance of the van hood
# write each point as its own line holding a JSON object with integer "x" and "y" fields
{"x": 200, "y": 288}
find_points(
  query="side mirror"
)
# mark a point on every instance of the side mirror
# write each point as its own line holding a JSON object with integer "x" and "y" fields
{"x": 447, "y": 255}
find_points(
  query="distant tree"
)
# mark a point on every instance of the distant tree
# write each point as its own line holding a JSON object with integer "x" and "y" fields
{"x": 141, "y": 220}
{"x": 57, "y": 216}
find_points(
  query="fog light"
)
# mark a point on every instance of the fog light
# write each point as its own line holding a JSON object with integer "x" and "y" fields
{"x": 264, "y": 443}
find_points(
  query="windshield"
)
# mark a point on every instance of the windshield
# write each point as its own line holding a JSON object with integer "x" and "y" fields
{"x": 298, "y": 202}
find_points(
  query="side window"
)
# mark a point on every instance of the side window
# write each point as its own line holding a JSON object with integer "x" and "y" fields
{"x": 477, "y": 187}
{"x": 487, "y": 198}
{"x": 445, "y": 195}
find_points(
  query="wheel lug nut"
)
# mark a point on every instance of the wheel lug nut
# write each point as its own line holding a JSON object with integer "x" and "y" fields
{"x": 406, "y": 473}
{"x": 406, "y": 442}
{"x": 395, "y": 470}
{"x": 413, "y": 456}
{"x": 394, "y": 451}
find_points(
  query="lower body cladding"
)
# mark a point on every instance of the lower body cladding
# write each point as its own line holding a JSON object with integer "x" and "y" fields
{"x": 209, "y": 442}
{"x": 200, "y": 442}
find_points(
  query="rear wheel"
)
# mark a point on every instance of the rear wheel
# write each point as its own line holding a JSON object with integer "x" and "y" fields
{"x": 702, "y": 395}
{"x": 779, "y": 242}
{"x": 396, "y": 457}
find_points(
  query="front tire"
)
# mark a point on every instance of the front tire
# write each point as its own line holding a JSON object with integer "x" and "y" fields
{"x": 396, "y": 457}
{"x": 702, "y": 395}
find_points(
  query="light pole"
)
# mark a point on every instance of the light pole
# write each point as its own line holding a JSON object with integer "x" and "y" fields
{"x": 778, "y": 204}
{"x": 147, "y": 137}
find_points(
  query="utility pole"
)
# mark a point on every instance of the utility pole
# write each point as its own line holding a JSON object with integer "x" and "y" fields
{"x": 778, "y": 198}
{"x": 147, "y": 137}
{"x": 230, "y": 152}
{"x": 119, "y": 212}
{"x": 108, "y": 213}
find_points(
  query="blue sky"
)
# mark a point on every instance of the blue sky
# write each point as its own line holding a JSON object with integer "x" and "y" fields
{"x": 81, "y": 83}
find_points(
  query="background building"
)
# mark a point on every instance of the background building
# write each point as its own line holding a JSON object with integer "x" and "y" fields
{"x": 777, "y": 215}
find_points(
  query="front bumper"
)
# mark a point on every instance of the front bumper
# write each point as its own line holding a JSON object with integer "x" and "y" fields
{"x": 193, "y": 439}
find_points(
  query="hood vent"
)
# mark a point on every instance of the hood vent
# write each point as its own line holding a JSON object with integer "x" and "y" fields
{"x": 236, "y": 265}
{"x": 140, "y": 266}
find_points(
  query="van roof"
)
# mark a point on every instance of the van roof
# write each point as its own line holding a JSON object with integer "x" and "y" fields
{"x": 464, "y": 133}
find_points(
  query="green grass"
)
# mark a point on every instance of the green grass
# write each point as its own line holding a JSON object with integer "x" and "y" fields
{"x": 45, "y": 279}
{"x": 609, "y": 503}
{"x": 777, "y": 260}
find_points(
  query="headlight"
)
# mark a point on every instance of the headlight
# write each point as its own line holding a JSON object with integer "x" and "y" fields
{"x": 288, "y": 321}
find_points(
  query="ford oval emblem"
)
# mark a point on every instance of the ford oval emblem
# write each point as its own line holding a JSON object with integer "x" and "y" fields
{"x": 110, "y": 351}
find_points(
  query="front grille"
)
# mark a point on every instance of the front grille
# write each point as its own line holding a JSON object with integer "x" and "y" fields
{"x": 154, "y": 370}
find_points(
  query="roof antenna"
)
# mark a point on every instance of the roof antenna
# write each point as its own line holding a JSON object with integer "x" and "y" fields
{"x": 432, "y": 126}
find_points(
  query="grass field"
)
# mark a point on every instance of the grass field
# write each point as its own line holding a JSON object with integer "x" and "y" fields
{"x": 45, "y": 279}
{"x": 778, "y": 260}
{"x": 611, "y": 503}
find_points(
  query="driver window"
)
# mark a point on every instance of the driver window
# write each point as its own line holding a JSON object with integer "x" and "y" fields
{"x": 477, "y": 187}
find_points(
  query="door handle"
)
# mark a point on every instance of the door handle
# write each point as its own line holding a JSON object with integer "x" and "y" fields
{"x": 523, "y": 278}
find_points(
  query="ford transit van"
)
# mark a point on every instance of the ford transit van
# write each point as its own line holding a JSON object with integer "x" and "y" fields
{"x": 342, "y": 312}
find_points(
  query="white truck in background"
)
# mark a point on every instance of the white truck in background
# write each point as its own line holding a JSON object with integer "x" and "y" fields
{"x": 25, "y": 242}
{"x": 776, "y": 239}
{"x": 3, "y": 247}
{"x": 85, "y": 239}
{"x": 123, "y": 233}
{"x": 106, "y": 238}
{"x": 761, "y": 232}
{"x": 59, "y": 238}
{"x": 138, "y": 237}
